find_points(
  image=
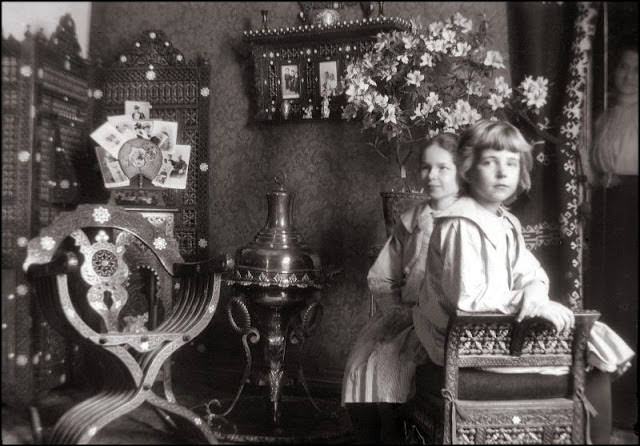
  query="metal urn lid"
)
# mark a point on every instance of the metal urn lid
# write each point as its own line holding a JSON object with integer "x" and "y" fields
{"x": 277, "y": 256}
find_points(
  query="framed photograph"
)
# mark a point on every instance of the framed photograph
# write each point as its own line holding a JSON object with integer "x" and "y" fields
{"x": 124, "y": 124}
{"x": 109, "y": 138}
{"x": 328, "y": 77}
{"x": 112, "y": 173}
{"x": 137, "y": 110}
{"x": 175, "y": 165}
{"x": 290, "y": 80}
{"x": 165, "y": 134}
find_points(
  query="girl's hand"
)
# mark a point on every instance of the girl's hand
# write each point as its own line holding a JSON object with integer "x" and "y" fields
{"x": 559, "y": 315}
{"x": 534, "y": 295}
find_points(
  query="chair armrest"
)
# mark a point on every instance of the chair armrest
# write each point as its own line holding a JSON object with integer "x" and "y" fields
{"x": 63, "y": 264}
{"x": 513, "y": 332}
{"x": 218, "y": 264}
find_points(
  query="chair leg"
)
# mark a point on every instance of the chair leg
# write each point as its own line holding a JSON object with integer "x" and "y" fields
{"x": 391, "y": 426}
{"x": 598, "y": 392}
{"x": 36, "y": 424}
{"x": 366, "y": 421}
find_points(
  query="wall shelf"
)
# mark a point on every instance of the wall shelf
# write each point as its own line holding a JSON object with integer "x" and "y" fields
{"x": 297, "y": 67}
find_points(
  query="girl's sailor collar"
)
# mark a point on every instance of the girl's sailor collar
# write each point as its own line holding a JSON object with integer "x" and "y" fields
{"x": 414, "y": 218}
{"x": 489, "y": 223}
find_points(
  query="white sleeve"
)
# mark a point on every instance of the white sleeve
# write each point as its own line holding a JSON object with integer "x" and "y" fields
{"x": 386, "y": 274}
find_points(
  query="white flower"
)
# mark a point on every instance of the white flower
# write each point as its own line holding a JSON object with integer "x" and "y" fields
{"x": 448, "y": 35}
{"x": 414, "y": 78}
{"x": 204, "y": 92}
{"x": 202, "y": 243}
{"x": 462, "y": 22}
{"x": 535, "y": 91}
{"x": 388, "y": 72}
{"x": 494, "y": 59}
{"x": 433, "y": 100}
{"x": 475, "y": 88}
{"x": 426, "y": 59}
{"x": 101, "y": 215}
{"x": 381, "y": 43}
{"x": 436, "y": 46}
{"x": 381, "y": 100}
{"x": 461, "y": 49}
{"x": 545, "y": 124}
{"x": 368, "y": 100}
{"x": 389, "y": 114}
{"x": 22, "y": 290}
{"x": 152, "y": 35}
{"x": 22, "y": 242}
{"x": 179, "y": 57}
{"x": 47, "y": 243}
{"x": 159, "y": 243}
{"x": 502, "y": 88}
{"x": 436, "y": 28}
{"x": 97, "y": 94}
{"x": 409, "y": 41}
{"x": 403, "y": 58}
{"x": 204, "y": 167}
{"x": 150, "y": 75}
{"x": 495, "y": 101}
{"x": 418, "y": 112}
{"x": 123, "y": 58}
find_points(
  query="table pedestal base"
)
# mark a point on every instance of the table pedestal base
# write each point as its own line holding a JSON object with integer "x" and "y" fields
{"x": 250, "y": 421}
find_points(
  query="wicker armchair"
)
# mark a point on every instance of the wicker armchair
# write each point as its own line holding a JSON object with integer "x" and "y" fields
{"x": 459, "y": 403}
{"x": 90, "y": 268}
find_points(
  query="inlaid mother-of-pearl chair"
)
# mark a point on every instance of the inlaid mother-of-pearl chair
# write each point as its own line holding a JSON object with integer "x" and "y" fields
{"x": 83, "y": 268}
{"x": 462, "y": 404}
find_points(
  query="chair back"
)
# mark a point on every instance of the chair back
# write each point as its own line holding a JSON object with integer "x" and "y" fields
{"x": 466, "y": 403}
{"x": 125, "y": 262}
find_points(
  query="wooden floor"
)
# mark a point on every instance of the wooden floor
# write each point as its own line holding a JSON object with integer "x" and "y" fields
{"x": 196, "y": 384}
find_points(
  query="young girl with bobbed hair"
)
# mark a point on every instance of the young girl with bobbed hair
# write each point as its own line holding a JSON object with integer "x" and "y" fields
{"x": 478, "y": 261}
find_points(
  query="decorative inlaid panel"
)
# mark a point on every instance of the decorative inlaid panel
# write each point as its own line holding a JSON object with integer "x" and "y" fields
{"x": 290, "y": 65}
{"x": 152, "y": 69}
{"x": 44, "y": 89}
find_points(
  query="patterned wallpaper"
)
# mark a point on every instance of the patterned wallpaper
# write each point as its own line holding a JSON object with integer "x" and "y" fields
{"x": 335, "y": 176}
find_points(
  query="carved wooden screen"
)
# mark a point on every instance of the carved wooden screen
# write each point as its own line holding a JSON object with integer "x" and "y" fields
{"x": 152, "y": 69}
{"x": 44, "y": 126}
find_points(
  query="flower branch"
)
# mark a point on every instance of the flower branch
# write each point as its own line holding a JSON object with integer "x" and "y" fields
{"x": 432, "y": 79}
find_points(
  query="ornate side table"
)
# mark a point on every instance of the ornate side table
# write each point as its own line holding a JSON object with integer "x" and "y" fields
{"x": 277, "y": 279}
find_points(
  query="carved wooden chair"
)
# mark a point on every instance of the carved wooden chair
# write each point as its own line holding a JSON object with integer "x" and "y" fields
{"x": 95, "y": 271}
{"x": 459, "y": 403}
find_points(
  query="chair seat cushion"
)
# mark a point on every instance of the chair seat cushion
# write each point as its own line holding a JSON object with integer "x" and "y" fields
{"x": 476, "y": 384}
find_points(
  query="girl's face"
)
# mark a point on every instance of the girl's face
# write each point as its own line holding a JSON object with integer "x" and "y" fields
{"x": 495, "y": 177}
{"x": 626, "y": 74}
{"x": 438, "y": 174}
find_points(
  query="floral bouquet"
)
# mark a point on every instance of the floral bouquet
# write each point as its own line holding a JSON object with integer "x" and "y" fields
{"x": 415, "y": 84}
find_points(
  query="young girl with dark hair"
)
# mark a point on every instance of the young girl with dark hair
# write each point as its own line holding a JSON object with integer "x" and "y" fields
{"x": 381, "y": 366}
